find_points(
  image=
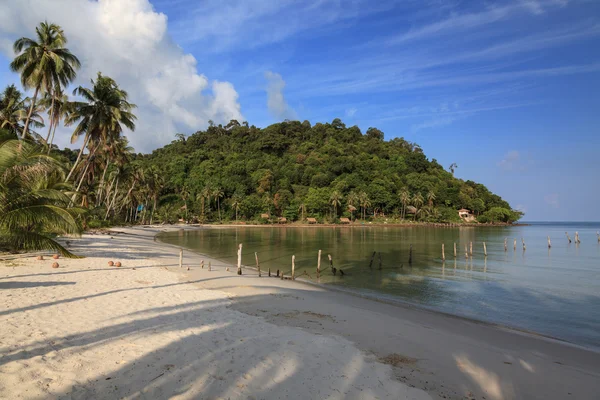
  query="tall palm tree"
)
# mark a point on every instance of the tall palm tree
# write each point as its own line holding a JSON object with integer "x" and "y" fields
{"x": 218, "y": 195}
{"x": 430, "y": 198}
{"x": 302, "y": 209}
{"x": 364, "y": 203}
{"x": 417, "y": 201}
{"x": 14, "y": 110}
{"x": 102, "y": 116}
{"x": 336, "y": 201}
{"x": 236, "y": 202}
{"x": 58, "y": 107}
{"x": 44, "y": 64}
{"x": 353, "y": 201}
{"x": 33, "y": 207}
{"x": 405, "y": 199}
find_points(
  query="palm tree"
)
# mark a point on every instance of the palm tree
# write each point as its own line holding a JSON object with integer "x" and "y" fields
{"x": 364, "y": 203}
{"x": 59, "y": 107}
{"x": 430, "y": 198}
{"x": 14, "y": 110}
{"x": 417, "y": 202}
{"x": 302, "y": 209}
{"x": 452, "y": 167}
{"x": 353, "y": 201}
{"x": 102, "y": 117}
{"x": 44, "y": 64}
{"x": 236, "y": 202}
{"x": 405, "y": 199}
{"x": 33, "y": 207}
{"x": 336, "y": 201}
{"x": 218, "y": 195}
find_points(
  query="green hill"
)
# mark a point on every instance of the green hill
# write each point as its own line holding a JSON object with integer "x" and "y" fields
{"x": 326, "y": 171}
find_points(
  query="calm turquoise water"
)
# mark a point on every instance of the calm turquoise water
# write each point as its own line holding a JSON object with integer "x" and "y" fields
{"x": 554, "y": 292}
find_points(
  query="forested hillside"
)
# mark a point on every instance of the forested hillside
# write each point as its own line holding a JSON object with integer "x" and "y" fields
{"x": 296, "y": 170}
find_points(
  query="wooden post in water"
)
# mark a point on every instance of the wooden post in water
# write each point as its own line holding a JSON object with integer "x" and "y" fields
{"x": 180, "y": 258}
{"x": 549, "y": 242}
{"x": 380, "y": 265}
{"x": 239, "y": 264}
{"x": 523, "y": 241}
{"x": 443, "y": 253}
{"x": 209, "y": 265}
{"x": 471, "y": 249}
{"x": 372, "y": 258}
{"x": 257, "y": 264}
{"x": 202, "y": 264}
{"x": 577, "y": 241}
{"x": 331, "y": 264}
{"x": 319, "y": 265}
{"x": 515, "y": 245}
{"x": 454, "y": 249}
{"x": 505, "y": 246}
{"x": 410, "y": 255}
{"x": 568, "y": 237}
{"x": 293, "y": 268}
{"x": 598, "y": 235}
{"x": 466, "y": 251}
{"x": 269, "y": 271}
{"x": 484, "y": 250}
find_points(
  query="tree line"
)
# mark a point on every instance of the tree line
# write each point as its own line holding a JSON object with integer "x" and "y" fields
{"x": 225, "y": 173}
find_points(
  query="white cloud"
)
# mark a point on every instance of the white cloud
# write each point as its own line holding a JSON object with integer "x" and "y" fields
{"x": 351, "y": 112}
{"x": 128, "y": 41}
{"x": 276, "y": 103}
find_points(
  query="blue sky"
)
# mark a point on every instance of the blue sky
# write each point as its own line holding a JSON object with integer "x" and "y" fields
{"x": 509, "y": 90}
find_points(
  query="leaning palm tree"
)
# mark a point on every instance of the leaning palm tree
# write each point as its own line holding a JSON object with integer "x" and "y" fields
{"x": 101, "y": 117}
{"x": 336, "y": 201}
{"x": 405, "y": 199}
{"x": 33, "y": 206}
{"x": 58, "y": 107}
{"x": 44, "y": 64}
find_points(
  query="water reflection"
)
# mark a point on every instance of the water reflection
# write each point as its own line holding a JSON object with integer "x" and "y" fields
{"x": 376, "y": 260}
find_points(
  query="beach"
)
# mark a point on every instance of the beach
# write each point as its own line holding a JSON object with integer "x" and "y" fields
{"x": 151, "y": 329}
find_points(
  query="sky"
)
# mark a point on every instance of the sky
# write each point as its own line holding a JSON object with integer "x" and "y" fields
{"x": 508, "y": 90}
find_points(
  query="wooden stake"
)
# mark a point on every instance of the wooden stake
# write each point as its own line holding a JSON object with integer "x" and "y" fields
{"x": 515, "y": 245}
{"x": 577, "y": 238}
{"x": 523, "y": 241}
{"x": 471, "y": 248}
{"x": 269, "y": 271}
{"x": 209, "y": 266}
{"x": 454, "y": 249}
{"x": 319, "y": 265}
{"x": 443, "y": 253}
{"x": 505, "y": 247}
{"x": 380, "y": 260}
{"x": 372, "y": 258}
{"x": 293, "y": 268}
{"x": 180, "y": 258}
{"x": 568, "y": 237}
{"x": 549, "y": 242}
{"x": 239, "y": 264}
{"x": 484, "y": 249}
{"x": 202, "y": 264}
{"x": 257, "y": 264}
{"x": 410, "y": 255}
{"x": 466, "y": 252}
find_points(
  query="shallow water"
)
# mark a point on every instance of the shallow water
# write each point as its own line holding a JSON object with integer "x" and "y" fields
{"x": 555, "y": 292}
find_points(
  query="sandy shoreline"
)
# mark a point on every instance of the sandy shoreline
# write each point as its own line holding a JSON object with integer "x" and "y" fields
{"x": 200, "y": 334}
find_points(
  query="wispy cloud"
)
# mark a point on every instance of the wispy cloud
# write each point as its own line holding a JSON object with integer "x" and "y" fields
{"x": 276, "y": 103}
{"x": 350, "y": 112}
{"x": 510, "y": 161}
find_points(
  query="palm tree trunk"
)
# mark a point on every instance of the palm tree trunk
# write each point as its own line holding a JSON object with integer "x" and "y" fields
{"x": 87, "y": 166}
{"x": 219, "y": 208}
{"x": 113, "y": 200}
{"x": 101, "y": 184}
{"x": 85, "y": 141}
{"x": 51, "y": 118}
{"x": 153, "y": 209}
{"x": 54, "y": 125}
{"x": 26, "y": 128}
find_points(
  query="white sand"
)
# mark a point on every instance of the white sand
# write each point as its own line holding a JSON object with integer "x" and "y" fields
{"x": 89, "y": 331}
